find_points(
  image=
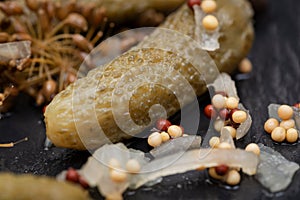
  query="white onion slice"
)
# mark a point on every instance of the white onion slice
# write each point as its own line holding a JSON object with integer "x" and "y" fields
{"x": 224, "y": 83}
{"x": 225, "y": 136}
{"x": 297, "y": 117}
{"x": 194, "y": 159}
{"x": 96, "y": 171}
{"x": 175, "y": 145}
{"x": 15, "y": 50}
{"x": 208, "y": 40}
{"x": 97, "y": 174}
{"x": 274, "y": 171}
{"x": 272, "y": 110}
{"x": 244, "y": 127}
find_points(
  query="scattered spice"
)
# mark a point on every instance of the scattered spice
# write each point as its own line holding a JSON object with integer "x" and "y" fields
{"x": 210, "y": 22}
{"x": 210, "y": 112}
{"x": 239, "y": 116}
{"x": 287, "y": 124}
{"x": 271, "y": 124}
{"x": 175, "y": 131}
{"x": 117, "y": 176}
{"x": 163, "y": 124}
{"x": 292, "y": 135}
{"x": 224, "y": 114}
{"x": 165, "y": 136}
{"x": 218, "y": 101}
{"x": 12, "y": 144}
{"x": 221, "y": 170}
{"x": 253, "y": 147}
{"x": 165, "y": 131}
{"x": 278, "y": 134}
{"x": 285, "y": 112}
{"x": 73, "y": 176}
{"x": 232, "y": 103}
{"x": 212, "y": 173}
{"x": 155, "y": 139}
{"x": 209, "y": 6}
{"x": 281, "y": 125}
{"x": 233, "y": 177}
{"x": 245, "y": 66}
{"x": 225, "y": 111}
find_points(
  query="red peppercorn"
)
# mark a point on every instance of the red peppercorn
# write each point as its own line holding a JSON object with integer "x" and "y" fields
{"x": 221, "y": 170}
{"x": 163, "y": 124}
{"x": 72, "y": 175}
{"x": 83, "y": 182}
{"x": 210, "y": 112}
{"x": 224, "y": 94}
{"x": 191, "y": 3}
{"x": 297, "y": 105}
{"x": 224, "y": 114}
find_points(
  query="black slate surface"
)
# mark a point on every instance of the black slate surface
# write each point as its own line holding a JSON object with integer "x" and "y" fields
{"x": 275, "y": 79}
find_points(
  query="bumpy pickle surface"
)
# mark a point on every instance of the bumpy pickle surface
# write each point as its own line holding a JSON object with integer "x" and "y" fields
{"x": 26, "y": 187}
{"x": 86, "y": 106}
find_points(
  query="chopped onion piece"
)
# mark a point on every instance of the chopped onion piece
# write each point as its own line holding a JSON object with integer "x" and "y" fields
{"x": 176, "y": 145}
{"x": 226, "y": 137}
{"x": 208, "y": 40}
{"x": 274, "y": 171}
{"x": 226, "y": 84}
{"x": 15, "y": 50}
{"x": 92, "y": 171}
{"x": 297, "y": 117}
{"x": 111, "y": 189}
{"x": 211, "y": 132}
{"x": 244, "y": 127}
{"x": 96, "y": 170}
{"x": 272, "y": 110}
{"x": 181, "y": 162}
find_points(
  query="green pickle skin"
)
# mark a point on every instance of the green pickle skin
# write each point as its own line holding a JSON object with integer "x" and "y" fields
{"x": 29, "y": 187}
{"x": 63, "y": 122}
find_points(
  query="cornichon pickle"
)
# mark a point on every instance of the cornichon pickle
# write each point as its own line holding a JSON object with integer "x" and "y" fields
{"x": 24, "y": 187}
{"x": 113, "y": 102}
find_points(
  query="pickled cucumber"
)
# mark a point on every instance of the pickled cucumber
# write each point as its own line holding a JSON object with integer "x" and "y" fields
{"x": 24, "y": 187}
{"x": 114, "y": 102}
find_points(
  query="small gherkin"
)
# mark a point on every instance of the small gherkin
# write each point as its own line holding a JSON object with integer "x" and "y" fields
{"x": 34, "y": 187}
{"x": 113, "y": 102}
